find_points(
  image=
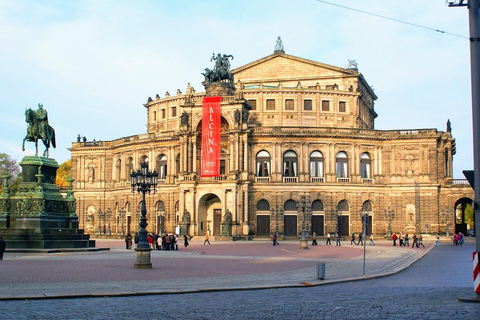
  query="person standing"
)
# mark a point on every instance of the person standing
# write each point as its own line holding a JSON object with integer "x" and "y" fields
{"x": 207, "y": 239}
{"x": 415, "y": 243}
{"x": 314, "y": 239}
{"x": 394, "y": 238}
{"x": 136, "y": 239}
{"x": 437, "y": 240}
{"x": 328, "y": 243}
{"x": 360, "y": 239}
{"x": 3, "y": 246}
{"x": 420, "y": 242}
{"x": 406, "y": 241}
{"x": 159, "y": 242}
{"x": 371, "y": 240}
{"x": 400, "y": 239}
{"x": 338, "y": 239}
{"x": 352, "y": 241}
{"x": 274, "y": 238}
{"x": 128, "y": 241}
{"x": 185, "y": 241}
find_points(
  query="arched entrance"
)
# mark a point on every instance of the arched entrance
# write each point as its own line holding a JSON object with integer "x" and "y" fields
{"x": 209, "y": 215}
{"x": 464, "y": 218}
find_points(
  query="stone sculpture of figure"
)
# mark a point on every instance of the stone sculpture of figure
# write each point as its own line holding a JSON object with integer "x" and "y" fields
{"x": 84, "y": 139}
{"x": 221, "y": 70}
{"x": 39, "y": 129}
{"x": 245, "y": 114}
{"x": 227, "y": 218}
{"x": 449, "y": 126}
{"x": 279, "y": 45}
{"x": 186, "y": 217}
{"x": 236, "y": 116}
{"x": 184, "y": 119}
{"x": 79, "y": 138}
{"x": 352, "y": 64}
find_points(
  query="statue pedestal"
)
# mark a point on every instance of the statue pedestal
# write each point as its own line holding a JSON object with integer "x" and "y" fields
{"x": 219, "y": 89}
{"x": 184, "y": 228}
{"x": 226, "y": 230}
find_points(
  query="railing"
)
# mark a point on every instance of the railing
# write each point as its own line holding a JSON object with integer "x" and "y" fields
{"x": 262, "y": 179}
{"x": 317, "y": 179}
{"x": 367, "y": 180}
{"x": 343, "y": 180}
{"x": 460, "y": 181}
{"x": 290, "y": 179}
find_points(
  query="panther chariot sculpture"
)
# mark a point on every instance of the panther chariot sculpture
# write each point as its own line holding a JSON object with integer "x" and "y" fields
{"x": 221, "y": 71}
{"x": 39, "y": 129}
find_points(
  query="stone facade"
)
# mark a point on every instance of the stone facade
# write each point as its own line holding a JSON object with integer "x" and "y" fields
{"x": 292, "y": 128}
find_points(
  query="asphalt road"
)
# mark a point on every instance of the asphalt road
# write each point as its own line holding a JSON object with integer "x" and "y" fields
{"x": 429, "y": 289}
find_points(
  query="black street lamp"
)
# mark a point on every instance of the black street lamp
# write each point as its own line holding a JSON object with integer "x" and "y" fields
{"x": 143, "y": 181}
{"x": 100, "y": 215}
{"x": 364, "y": 216}
{"x": 389, "y": 215}
{"x": 336, "y": 213}
{"x": 304, "y": 232}
{"x": 121, "y": 216}
{"x": 108, "y": 214}
{"x": 446, "y": 222}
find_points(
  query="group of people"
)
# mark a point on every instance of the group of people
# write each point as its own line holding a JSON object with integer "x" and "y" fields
{"x": 360, "y": 239}
{"x": 156, "y": 242}
{"x": 404, "y": 240}
{"x": 459, "y": 239}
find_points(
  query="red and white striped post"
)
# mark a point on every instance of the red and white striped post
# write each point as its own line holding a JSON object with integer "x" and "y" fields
{"x": 476, "y": 273}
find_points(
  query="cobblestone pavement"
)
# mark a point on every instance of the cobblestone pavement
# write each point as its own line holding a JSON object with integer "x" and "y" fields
{"x": 427, "y": 290}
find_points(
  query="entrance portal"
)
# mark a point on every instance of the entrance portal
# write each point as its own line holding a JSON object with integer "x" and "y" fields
{"x": 318, "y": 225}
{"x": 263, "y": 225}
{"x": 209, "y": 215}
{"x": 290, "y": 225}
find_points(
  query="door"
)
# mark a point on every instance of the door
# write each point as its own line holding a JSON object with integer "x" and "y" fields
{"x": 343, "y": 225}
{"x": 129, "y": 222}
{"x": 369, "y": 225}
{"x": 217, "y": 219}
{"x": 263, "y": 225}
{"x": 290, "y": 225}
{"x": 160, "y": 225}
{"x": 318, "y": 225}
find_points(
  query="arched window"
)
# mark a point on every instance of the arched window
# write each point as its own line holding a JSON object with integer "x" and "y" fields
{"x": 129, "y": 167}
{"x": 316, "y": 164}
{"x": 162, "y": 166}
{"x": 367, "y": 206}
{"x": 365, "y": 166}
{"x": 343, "y": 206}
{"x": 160, "y": 206}
{"x": 290, "y": 164}
{"x": 263, "y": 164}
{"x": 263, "y": 205}
{"x": 128, "y": 208}
{"x": 342, "y": 165}
{"x": 144, "y": 159}
{"x": 317, "y": 205}
{"x": 290, "y": 205}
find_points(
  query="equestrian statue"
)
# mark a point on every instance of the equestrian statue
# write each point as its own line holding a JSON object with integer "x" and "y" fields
{"x": 221, "y": 71}
{"x": 39, "y": 129}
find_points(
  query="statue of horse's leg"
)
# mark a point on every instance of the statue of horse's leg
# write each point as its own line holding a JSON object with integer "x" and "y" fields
{"x": 23, "y": 145}
{"x": 36, "y": 147}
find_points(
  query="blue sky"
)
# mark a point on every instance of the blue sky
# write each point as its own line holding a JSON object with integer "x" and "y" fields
{"x": 94, "y": 63}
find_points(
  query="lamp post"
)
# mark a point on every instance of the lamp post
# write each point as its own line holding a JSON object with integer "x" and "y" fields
{"x": 364, "y": 216}
{"x": 108, "y": 214}
{"x": 143, "y": 181}
{"x": 304, "y": 232}
{"x": 99, "y": 221}
{"x": 336, "y": 213}
{"x": 121, "y": 214}
{"x": 389, "y": 215}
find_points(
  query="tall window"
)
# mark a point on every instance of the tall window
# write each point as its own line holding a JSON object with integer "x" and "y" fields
{"x": 253, "y": 104}
{"x": 162, "y": 166}
{"x": 325, "y": 105}
{"x": 163, "y": 113}
{"x": 290, "y": 164}
{"x": 263, "y": 164}
{"x": 270, "y": 104}
{"x": 365, "y": 166}
{"x": 144, "y": 159}
{"x": 177, "y": 164}
{"x": 174, "y": 111}
{"x": 154, "y": 115}
{"x": 343, "y": 206}
{"x": 316, "y": 164}
{"x": 342, "y": 107}
{"x": 317, "y": 205}
{"x": 289, "y": 105}
{"x": 307, "y": 105}
{"x": 342, "y": 165}
{"x": 129, "y": 167}
{"x": 118, "y": 169}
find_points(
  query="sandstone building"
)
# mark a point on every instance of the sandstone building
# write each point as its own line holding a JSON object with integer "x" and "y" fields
{"x": 291, "y": 128}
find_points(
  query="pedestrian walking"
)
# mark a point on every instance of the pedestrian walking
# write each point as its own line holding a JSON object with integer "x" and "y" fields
{"x": 455, "y": 239}
{"x": 176, "y": 241}
{"x": 3, "y": 246}
{"x": 406, "y": 242}
{"x": 159, "y": 242}
{"x": 155, "y": 241}
{"x": 437, "y": 240}
{"x": 352, "y": 241}
{"x": 371, "y": 240}
{"x": 207, "y": 239}
{"x": 167, "y": 242}
{"x": 314, "y": 239}
{"x": 128, "y": 241}
{"x": 328, "y": 243}
{"x": 274, "y": 238}
{"x": 338, "y": 240}
{"x": 185, "y": 241}
{"x": 394, "y": 238}
{"x": 420, "y": 241}
{"x": 360, "y": 239}
{"x": 400, "y": 239}
{"x": 150, "y": 241}
{"x": 415, "y": 240}
{"x": 461, "y": 239}
{"x": 136, "y": 239}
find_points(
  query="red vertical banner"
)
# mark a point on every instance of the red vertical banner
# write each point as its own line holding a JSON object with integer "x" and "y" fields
{"x": 211, "y": 115}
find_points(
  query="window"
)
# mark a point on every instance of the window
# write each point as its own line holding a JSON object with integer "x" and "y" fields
{"x": 343, "y": 206}
{"x": 144, "y": 159}
{"x": 289, "y": 105}
{"x": 342, "y": 106}
{"x": 177, "y": 164}
{"x": 270, "y": 104}
{"x": 253, "y": 104}
{"x": 263, "y": 164}
{"x": 365, "y": 166}
{"x": 325, "y": 105}
{"x": 342, "y": 165}
{"x": 174, "y": 111}
{"x": 162, "y": 166}
{"x": 307, "y": 105}
{"x": 160, "y": 206}
{"x": 163, "y": 113}
{"x": 317, "y": 205}
{"x": 367, "y": 206}
{"x": 154, "y": 115}
{"x": 129, "y": 167}
{"x": 118, "y": 169}
{"x": 222, "y": 166}
{"x": 316, "y": 164}
{"x": 290, "y": 164}
{"x": 263, "y": 205}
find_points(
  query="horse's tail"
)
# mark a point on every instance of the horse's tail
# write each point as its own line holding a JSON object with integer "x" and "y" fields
{"x": 52, "y": 132}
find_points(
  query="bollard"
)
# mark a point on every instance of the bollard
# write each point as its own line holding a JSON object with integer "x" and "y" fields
{"x": 321, "y": 271}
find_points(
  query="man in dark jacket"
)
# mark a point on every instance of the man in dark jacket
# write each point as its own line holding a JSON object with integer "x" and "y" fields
{"x": 2, "y": 247}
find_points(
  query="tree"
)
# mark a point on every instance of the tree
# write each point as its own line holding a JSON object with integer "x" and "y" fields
{"x": 10, "y": 166}
{"x": 63, "y": 173}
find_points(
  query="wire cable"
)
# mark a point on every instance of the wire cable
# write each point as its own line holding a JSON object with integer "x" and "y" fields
{"x": 392, "y": 19}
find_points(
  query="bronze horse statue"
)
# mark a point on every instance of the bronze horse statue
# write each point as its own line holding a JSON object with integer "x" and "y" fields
{"x": 34, "y": 133}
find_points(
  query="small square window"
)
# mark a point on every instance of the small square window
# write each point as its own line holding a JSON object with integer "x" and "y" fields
{"x": 289, "y": 105}
{"x": 342, "y": 106}
{"x": 253, "y": 104}
{"x": 307, "y": 104}
{"x": 270, "y": 104}
{"x": 325, "y": 105}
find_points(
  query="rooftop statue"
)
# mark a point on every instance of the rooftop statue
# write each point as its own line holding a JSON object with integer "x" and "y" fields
{"x": 221, "y": 70}
{"x": 279, "y": 46}
{"x": 39, "y": 129}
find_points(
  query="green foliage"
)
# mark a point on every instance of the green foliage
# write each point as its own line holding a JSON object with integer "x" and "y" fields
{"x": 469, "y": 215}
{"x": 63, "y": 172}
{"x": 10, "y": 166}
